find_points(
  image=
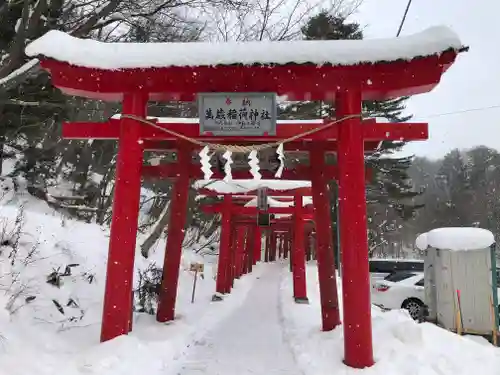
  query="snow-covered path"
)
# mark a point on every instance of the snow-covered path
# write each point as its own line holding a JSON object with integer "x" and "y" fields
{"x": 250, "y": 340}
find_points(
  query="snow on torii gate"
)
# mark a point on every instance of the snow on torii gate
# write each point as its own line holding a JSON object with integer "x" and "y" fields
{"x": 344, "y": 71}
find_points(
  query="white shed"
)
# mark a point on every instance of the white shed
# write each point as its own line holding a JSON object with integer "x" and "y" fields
{"x": 460, "y": 279}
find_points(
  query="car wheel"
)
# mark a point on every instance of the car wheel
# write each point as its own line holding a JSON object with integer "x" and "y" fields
{"x": 414, "y": 307}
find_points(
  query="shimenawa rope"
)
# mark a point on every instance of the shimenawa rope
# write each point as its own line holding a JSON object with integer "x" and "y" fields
{"x": 237, "y": 148}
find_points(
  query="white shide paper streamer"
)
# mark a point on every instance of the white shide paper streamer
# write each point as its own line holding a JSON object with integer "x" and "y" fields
{"x": 253, "y": 162}
{"x": 205, "y": 163}
{"x": 227, "y": 167}
{"x": 281, "y": 157}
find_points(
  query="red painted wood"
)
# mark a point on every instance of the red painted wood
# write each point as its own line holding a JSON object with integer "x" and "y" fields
{"x": 117, "y": 311}
{"x": 324, "y": 251}
{"x": 274, "y": 246}
{"x": 257, "y": 245}
{"x": 286, "y": 243}
{"x": 286, "y": 248}
{"x": 242, "y": 249}
{"x": 267, "y": 250}
{"x": 372, "y": 131}
{"x": 173, "y": 249}
{"x": 382, "y": 80}
{"x": 232, "y": 266}
{"x": 358, "y": 352}
{"x": 250, "y": 238}
{"x": 307, "y": 246}
{"x": 239, "y": 251}
{"x": 299, "y": 254}
{"x": 224, "y": 247}
{"x": 289, "y": 242}
{"x": 282, "y": 249}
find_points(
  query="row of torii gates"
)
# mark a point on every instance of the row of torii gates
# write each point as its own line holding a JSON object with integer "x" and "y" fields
{"x": 402, "y": 67}
{"x": 288, "y": 234}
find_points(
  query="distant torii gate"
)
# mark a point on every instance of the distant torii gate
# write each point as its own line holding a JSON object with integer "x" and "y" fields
{"x": 344, "y": 72}
{"x": 233, "y": 213}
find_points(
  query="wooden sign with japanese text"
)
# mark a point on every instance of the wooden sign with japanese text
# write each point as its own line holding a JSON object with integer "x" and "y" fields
{"x": 237, "y": 114}
{"x": 196, "y": 267}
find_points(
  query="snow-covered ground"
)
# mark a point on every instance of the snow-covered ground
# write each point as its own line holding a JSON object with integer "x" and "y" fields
{"x": 46, "y": 328}
{"x": 258, "y": 329}
{"x": 401, "y": 346}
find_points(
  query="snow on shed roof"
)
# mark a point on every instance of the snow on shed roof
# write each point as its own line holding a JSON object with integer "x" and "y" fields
{"x": 456, "y": 239}
{"x": 89, "y": 53}
{"x": 243, "y": 186}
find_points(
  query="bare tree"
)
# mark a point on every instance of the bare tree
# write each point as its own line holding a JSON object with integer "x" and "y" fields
{"x": 26, "y": 20}
{"x": 268, "y": 19}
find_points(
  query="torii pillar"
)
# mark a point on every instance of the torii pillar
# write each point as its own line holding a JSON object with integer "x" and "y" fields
{"x": 298, "y": 259}
{"x": 358, "y": 350}
{"x": 249, "y": 261}
{"x": 324, "y": 246}
{"x": 175, "y": 237}
{"x": 222, "y": 281}
{"x": 117, "y": 311}
{"x": 257, "y": 244}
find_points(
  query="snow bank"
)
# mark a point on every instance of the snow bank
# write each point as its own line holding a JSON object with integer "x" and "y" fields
{"x": 47, "y": 328}
{"x": 401, "y": 346}
{"x": 456, "y": 239}
{"x": 93, "y": 54}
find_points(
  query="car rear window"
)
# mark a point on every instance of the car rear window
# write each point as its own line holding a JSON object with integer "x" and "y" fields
{"x": 399, "y": 276}
{"x": 389, "y": 266}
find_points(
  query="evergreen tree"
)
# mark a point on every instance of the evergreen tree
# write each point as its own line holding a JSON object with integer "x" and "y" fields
{"x": 454, "y": 180}
{"x": 391, "y": 192}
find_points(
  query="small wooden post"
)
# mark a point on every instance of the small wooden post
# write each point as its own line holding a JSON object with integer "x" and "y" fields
{"x": 195, "y": 267}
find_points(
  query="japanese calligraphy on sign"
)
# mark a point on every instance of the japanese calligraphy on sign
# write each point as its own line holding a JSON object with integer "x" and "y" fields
{"x": 237, "y": 114}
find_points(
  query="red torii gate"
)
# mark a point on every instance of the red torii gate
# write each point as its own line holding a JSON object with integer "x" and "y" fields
{"x": 310, "y": 70}
{"x": 248, "y": 216}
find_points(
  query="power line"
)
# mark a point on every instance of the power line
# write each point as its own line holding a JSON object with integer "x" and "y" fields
{"x": 479, "y": 109}
{"x": 404, "y": 18}
{"x": 447, "y": 113}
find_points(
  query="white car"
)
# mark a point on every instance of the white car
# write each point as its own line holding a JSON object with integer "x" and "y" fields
{"x": 380, "y": 267}
{"x": 401, "y": 290}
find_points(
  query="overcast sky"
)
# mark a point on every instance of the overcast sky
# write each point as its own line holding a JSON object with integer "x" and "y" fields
{"x": 472, "y": 82}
